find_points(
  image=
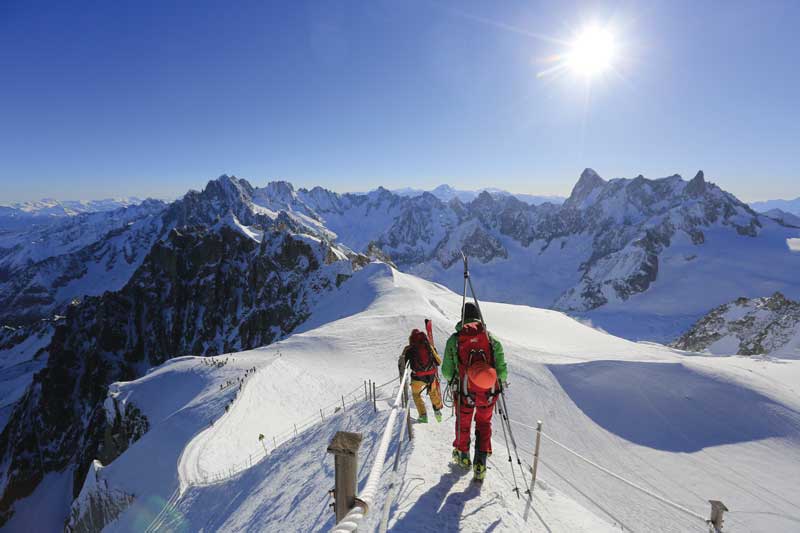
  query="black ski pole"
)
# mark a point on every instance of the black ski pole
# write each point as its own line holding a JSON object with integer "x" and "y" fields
{"x": 507, "y": 421}
{"x": 508, "y": 449}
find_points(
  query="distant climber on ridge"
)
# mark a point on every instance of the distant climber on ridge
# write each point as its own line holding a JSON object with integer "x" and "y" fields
{"x": 474, "y": 365}
{"x": 424, "y": 361}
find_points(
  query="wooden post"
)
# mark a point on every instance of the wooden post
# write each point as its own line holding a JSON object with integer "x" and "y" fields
{"x": 343, "y": 403}
{"x": 717, "y": 511}
{"x": 295, "y": 430}
{"x": 344, "y": 446}
{"x": 321, "y": 415}
{"x": 535, "y": 466}
{"x": 261, "y": 440}
{"x": 365, "y": 391}
{"x": 374, "y": 398}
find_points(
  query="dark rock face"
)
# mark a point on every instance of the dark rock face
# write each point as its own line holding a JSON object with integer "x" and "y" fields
{"x": 756, "y": 326}
{"x": 127, "y": 426}
{"x": 204, "y": 290}
{"x": 97, "y": 506}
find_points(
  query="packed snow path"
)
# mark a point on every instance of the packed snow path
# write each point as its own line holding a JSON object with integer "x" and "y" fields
{"x": 686, "y": 427}
{"x": 436, "y": 495}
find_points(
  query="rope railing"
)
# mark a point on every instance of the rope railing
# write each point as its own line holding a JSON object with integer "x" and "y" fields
{"x": 616, "y": 476}
{"x": 278, "y": 439}
{"x": 260, "y": 454}
{"x": 351, "y": 521}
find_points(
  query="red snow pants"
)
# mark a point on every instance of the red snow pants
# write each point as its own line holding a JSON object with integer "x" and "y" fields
{"x": 483, "y": 426}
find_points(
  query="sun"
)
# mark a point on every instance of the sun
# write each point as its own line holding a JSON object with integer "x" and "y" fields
{"x": 592, "y": 52}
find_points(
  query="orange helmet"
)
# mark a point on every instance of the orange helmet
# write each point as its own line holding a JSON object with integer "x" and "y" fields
{"x": 482, "y": 376}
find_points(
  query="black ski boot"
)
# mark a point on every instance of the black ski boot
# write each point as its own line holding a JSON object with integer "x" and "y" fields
{"x": 479, "y": 466}
{"x": 461, "y": 458}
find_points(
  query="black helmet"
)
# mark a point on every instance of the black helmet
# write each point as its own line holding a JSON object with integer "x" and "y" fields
{"x": 471, "y": 312}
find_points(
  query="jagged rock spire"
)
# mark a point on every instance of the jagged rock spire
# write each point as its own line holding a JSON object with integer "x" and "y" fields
{"x": 697, "y": 186}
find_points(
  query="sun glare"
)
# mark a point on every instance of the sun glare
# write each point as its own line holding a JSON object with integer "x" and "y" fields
{"x": 592, "y": 52}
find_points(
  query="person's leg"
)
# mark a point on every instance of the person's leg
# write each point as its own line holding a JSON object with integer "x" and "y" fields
{"x": 463, "y": 426}
{"x": 416, "y": 393}
{"x": 483, "y": 428}
{"x": 435, "y": 394}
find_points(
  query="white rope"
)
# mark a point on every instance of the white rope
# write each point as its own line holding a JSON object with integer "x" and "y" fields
{"x": 620, "y": 478}
{"x": 387, "y": 383}
{"x": 216, "y": 477}
{"x": 616, "y": 476}
{"x": 353, "y": 518}
{"x": 280, "y": 438}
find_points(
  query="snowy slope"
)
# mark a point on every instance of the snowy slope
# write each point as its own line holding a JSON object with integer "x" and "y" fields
{"x": 691, "y": 428}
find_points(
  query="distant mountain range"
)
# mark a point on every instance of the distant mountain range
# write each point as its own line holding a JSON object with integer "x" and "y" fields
{"x": 617, "y": 252}
{"x": 446, "y": 193}
{"x": 49, "y": 207}
{"x": 789, "y": 219}
{"x": 788, "y": 206}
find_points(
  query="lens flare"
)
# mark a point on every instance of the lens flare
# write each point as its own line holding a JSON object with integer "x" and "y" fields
{"x": 592, "y": 52}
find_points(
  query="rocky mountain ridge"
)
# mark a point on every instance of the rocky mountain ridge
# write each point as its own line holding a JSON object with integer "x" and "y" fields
{"x": 610, "y": 237}
{"x": 224, "y": 277}
{"x": 768, "y": 325}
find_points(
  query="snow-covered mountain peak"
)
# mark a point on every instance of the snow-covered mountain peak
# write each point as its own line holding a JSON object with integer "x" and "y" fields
{"x": 282, "y": 191}
{"x": 445, "y": 192}
{"x": 230, "y": 186}
{"x": 584, "y": 191}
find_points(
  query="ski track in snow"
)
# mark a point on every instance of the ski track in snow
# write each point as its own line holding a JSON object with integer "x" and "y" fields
{"x": 687, "y": 427}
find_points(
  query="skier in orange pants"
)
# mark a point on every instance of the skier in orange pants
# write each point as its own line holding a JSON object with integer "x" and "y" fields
{"x": 424, "y": 362}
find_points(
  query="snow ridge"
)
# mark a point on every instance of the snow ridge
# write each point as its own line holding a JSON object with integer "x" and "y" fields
{"x": 573, "y": 377}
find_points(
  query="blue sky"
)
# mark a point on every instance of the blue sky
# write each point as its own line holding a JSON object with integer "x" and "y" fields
{"x": 152, "y": 98}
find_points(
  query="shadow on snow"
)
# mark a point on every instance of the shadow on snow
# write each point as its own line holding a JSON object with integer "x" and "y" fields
{"x": 669, "y": 407}
{"x": 439, "y": 509}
